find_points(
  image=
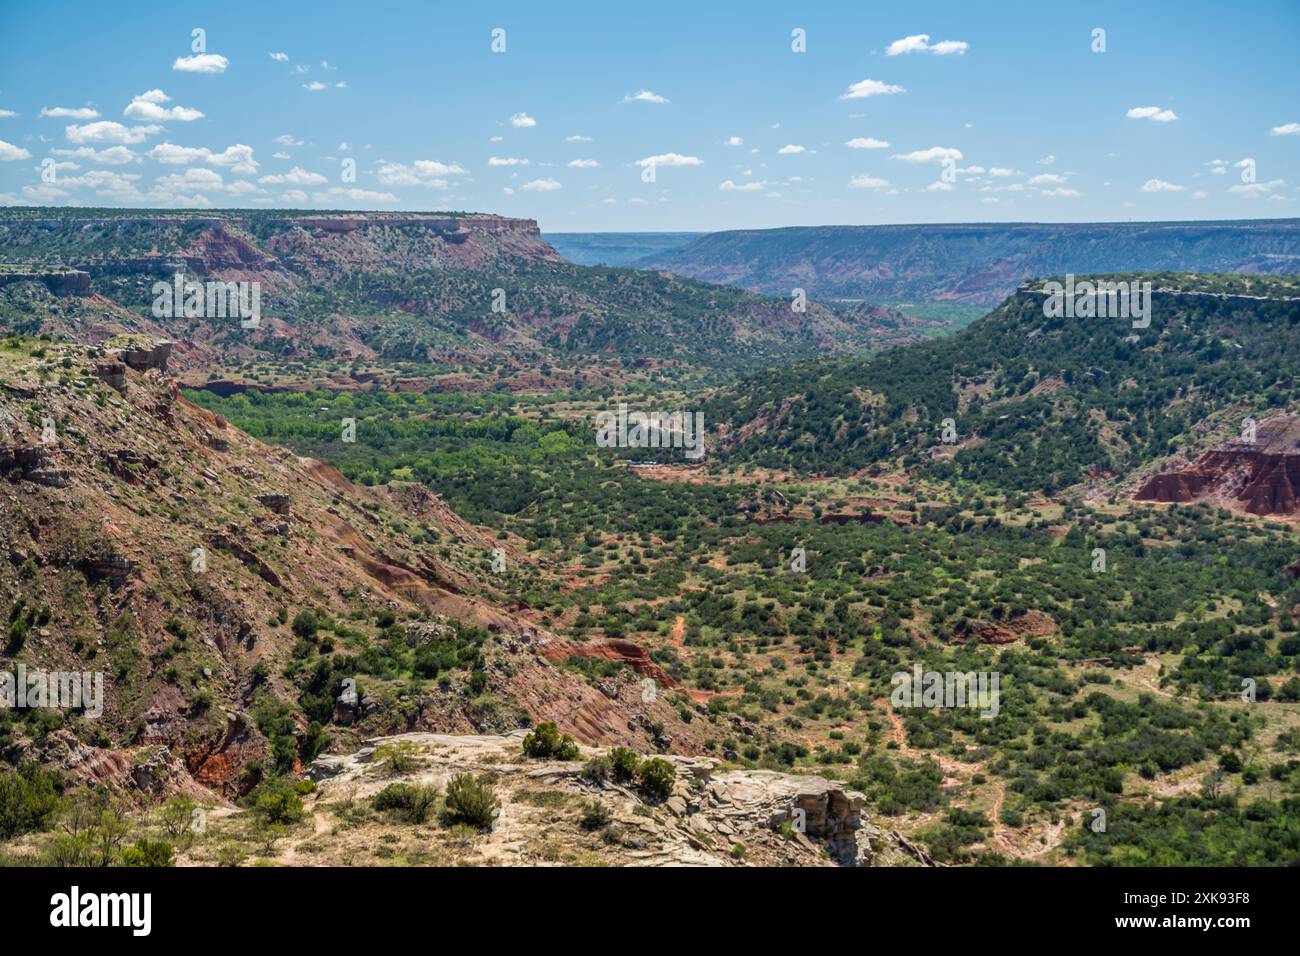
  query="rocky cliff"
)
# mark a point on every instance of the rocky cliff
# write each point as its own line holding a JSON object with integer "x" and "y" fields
{"x": 1261, "y": 477}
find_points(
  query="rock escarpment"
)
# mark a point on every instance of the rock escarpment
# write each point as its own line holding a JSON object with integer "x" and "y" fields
{"x": 1261, "y": 477}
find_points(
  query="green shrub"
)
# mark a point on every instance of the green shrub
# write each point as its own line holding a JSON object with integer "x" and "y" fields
{"x": 472, "y": 801}
{"x": 624, "y": 763}
{"x": 28, "y": 800}
{"x": 595, "y": 815}
{"x": 412, "y": 802}
{"x": 657, "y": 777}
{"x": 275, "y": 801}
{"x": 398, "y": 756}
{"x": 597, "y": 770}
{"x": 546, "y": 741}
{"x": 146, "y": 852}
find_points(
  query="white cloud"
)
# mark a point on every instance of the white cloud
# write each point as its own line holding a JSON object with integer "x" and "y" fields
{"x": 868, "y": 182}
{"x": 1287, "y": 129}
{"x": 108, "y": 131}
{"x": 238, "y": 157}
{"x": 729, "y": 186}
{"x": 280, "y": 57}
{"x": 1200, "y": 194}
{"x": 940, "y": 186}
{"x": 1046, "y": 179}
{"x": 864, "y": 88}
{"x": 1255, "y": 190}
{"x": 506, "y": 161}
{"x": 294, "y": 177}
{"x": 1001, "y": 171}
{"x": 790, "y": 149}
{"x": 148, "y": 107}
{"x": 353, "y": 194}
{"x": 577, "y": 139}
{"x": 644, "y": 96}
{"x": 670, "y": 159}
{"x": 7, "y": 114}
{"x": 866, "y": 142}
{"x": 932, "y": 155}
{"x": 1047, "y": 160}
{"x": 1160, "y": 186}
{"x": 202, "y": 180}
{"x": 201, "y": 63}
{"x": 1063, "y": 193}
{"x": 582, "y": 164}
{"x": 294, "y": 195}
{"x": 10, "y": 152}
{"x": 735, "y": 141}
{"x": 423, "y": 172}
{"x": 315, "y": 86}
{"x": 920, "y": 43}
{"x": 286, "y": 140}
{"x": 522, "y": 121}
{"x": 70, "y": 112}
{"x": 540, "y": 185}
{"x": 113, "y": 155}
{"x": 1152, "y": 113}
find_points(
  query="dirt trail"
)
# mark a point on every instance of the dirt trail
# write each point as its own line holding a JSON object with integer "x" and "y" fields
{"x": 678, "y": 634}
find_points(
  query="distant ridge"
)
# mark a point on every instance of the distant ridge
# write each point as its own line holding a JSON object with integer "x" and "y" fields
{"x": 976, "y": 263}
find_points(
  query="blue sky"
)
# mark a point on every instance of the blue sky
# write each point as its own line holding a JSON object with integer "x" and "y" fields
{"x": 990, "y": 112}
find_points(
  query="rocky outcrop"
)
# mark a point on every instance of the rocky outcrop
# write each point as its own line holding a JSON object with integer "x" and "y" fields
{"x": 63, "y": 282}
{"x": 1260, "y": 477}
{"x": 711, "y": 817}
{"x": 144, "y": 359}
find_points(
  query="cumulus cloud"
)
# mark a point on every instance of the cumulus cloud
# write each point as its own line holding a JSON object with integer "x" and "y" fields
{"x": 353, "y": 194}
{"x": 935, "y": 154}
{"x": 113, "y": 155}
{"x": 1255, "y": 190}
{"x": 1160, "y": 186}
{"x": 1046, "y": 179}
{"x": 422, "y": 172}
{"x": 201, "y": 63}
{"x": 735, "y": 141}
{"x": 644, "y": 96}
{"x": 1152, "y": 113}
{"x": 729, "y": 186}
{"x": 868, "y": 182}
{"x": 522, "y": 121}
{"x": 670, "y": 159}
{"x": 506, "y": 161}
{"x": 577, "y": 139}
{"x": 280, "y": 57}
{"x": 108, "y": 131}
{"x": 866, "y": 142}
{"x": 294, "y": 177}
{"x": 582, "y": 164}
{"x": 1287, "y": 129}
{"x": 9, "y": 152}
{"x": 1063, "y": 193}
{"x": 148, "y": 107}
{"x": 920, "y": 43}
{"x": 540, "y": 186}
{"x": 70, "y": 112}
{"x": 315, "y": 86}
{"x": 284, "y": 139}
{"x": 790, "y": 149}
{"x": 864, "y": 88}
{"x": 940, "y": 187}
{"x": 238, "y": 157}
